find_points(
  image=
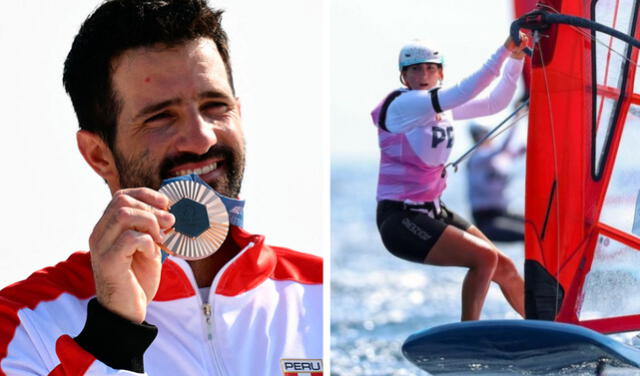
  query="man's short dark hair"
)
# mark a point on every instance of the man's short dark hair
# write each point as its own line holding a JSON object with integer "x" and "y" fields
{"x": 120, "y": 25}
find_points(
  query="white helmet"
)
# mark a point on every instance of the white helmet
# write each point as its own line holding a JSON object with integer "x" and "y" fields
{"x": 416, "y": 52}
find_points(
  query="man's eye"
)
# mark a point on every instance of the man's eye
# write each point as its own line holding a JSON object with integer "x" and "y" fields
{"x": 216, "y": 108}
{"x": 160, "y": 116}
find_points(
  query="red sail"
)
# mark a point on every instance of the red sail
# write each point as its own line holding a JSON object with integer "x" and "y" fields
{"x": 583, "y": 172}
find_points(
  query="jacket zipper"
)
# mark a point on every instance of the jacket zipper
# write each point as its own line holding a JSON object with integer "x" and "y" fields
{"x": 207, "y": 310}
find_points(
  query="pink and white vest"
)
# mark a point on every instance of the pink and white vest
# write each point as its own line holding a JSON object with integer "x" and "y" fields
{"x": 415, "y": 141}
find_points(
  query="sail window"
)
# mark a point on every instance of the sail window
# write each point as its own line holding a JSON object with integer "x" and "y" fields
{"x": 612, "y": 287}
{"x": 620, "y": 206}
{"x": 610, "y": 68}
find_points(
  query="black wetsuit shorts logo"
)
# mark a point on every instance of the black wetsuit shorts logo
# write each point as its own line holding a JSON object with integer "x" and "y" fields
{"x": 415, "y": 229}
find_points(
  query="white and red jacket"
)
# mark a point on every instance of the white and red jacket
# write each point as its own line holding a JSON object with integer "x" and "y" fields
{"x": 415, "y": 141}
{"x": 265, "y": 307}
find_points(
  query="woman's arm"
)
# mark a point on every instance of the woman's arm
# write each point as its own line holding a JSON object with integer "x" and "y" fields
{"x": 499, "y": 97}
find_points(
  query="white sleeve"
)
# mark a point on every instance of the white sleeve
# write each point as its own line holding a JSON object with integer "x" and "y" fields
{"x": 499, "y": 97}
{"x": 414, "y": 108}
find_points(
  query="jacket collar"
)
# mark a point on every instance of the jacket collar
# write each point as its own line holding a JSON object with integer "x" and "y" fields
{"x": 250, "y": 267}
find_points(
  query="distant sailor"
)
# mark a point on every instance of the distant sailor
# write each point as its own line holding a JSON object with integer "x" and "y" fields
{"x": 415, "y": 138}
{"x": 488, "y": 173}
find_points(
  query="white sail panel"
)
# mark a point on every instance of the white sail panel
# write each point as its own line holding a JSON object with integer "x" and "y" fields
{"x": 612, "y": 287}
{"x": 619, "y": 208}
{"x": 610, "y": 61}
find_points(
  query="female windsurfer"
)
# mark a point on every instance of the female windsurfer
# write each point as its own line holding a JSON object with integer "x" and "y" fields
{"x": 415, "y": 138}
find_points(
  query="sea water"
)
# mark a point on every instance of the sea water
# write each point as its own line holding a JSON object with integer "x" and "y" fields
{"x": 378, "y": 300}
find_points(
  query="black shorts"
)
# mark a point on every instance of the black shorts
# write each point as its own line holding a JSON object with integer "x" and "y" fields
{"x": 410, "y": 233}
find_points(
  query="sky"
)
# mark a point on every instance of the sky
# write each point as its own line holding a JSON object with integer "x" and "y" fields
{"x": 51, "y": 199}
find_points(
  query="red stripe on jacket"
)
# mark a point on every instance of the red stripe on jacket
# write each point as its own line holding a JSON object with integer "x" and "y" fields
{"x": 261, "y": 262}
{"x": 73, "y": 276}
{"x": 74, "y": 360}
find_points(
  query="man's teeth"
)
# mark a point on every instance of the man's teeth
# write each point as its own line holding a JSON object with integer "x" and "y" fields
{"x": 198, "y": 171}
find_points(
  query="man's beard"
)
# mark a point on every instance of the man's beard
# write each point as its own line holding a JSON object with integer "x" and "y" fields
{"x": 137, "y": 172}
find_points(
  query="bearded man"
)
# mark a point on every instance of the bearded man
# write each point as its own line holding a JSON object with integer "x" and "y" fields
{"x": 152, "y": 87}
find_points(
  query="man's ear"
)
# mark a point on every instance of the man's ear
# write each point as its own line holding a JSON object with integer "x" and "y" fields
{"x": 98, "y": 155}
{"x": 239, "y": 105}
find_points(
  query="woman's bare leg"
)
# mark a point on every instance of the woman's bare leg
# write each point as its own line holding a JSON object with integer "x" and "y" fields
{"x": 459, "y": 248}
{"x": 506, "y": 276}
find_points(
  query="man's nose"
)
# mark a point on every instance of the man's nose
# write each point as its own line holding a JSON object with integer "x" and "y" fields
{"x": 197, "y": 134}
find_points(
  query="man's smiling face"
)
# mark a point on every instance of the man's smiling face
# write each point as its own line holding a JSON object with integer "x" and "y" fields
{"x": 177, "y": 115}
